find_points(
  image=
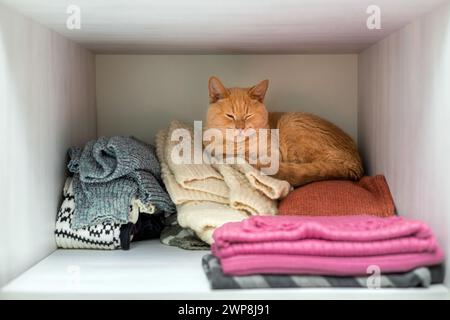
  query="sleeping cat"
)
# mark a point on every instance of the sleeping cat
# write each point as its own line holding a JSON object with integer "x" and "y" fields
{"x": 310, "y": 148}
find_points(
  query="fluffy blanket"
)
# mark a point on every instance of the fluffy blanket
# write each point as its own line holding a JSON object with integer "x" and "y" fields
{"x": 207, "y": 196}
{"x": 108, "y": 174}
{"x": 324, "y": 245}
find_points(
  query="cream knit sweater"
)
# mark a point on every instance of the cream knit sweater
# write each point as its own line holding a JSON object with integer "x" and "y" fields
{"x": 208, "y": 196}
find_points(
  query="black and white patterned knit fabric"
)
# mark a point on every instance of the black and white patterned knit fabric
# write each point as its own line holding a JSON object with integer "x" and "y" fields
{"x": 102, "y": 236}
{"x": 420, "y": 277}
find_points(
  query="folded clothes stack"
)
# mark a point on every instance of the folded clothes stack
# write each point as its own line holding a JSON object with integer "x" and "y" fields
{"x": 419, "y": 277}
{"x": 296, "y": 250}
{"x": 116, "y": 183}
{"x": 206, "y": 195}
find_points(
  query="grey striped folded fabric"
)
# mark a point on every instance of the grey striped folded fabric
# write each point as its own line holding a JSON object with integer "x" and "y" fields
{"x": 176, "y": 236}
{"x": 420, "y": 277}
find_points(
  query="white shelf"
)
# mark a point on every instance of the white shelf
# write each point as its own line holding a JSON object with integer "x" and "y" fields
{"x": 153, "y": 271}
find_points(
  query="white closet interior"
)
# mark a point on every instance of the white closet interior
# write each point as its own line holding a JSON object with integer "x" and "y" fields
{"x": 134, "y": 66}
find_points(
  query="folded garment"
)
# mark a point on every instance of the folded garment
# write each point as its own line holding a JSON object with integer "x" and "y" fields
{"x": 138, "y": 207}
{"x": 209, "y": 195}
{"x": 176, "y": 236}
{"x": 108, "y": 173}
{"x": 204, "y": 217}
{"x": 252, "y": 199}
{"x": 200, "y": 177}
{"x": 101, "y": 236}
{"x": 107, "y": 236}
{"x": 192, "y": 187}
{"x": 207, "y": 182}
{"x": 419, "y": 277}
{"x": 146, "y": 227}
{"x": 126, "y": 235}
{"x": 369, "y": 196}
{"x": 324, "y": 245}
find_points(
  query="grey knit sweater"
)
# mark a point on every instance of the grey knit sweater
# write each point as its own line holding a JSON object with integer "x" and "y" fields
{"x": 108, "y": 172}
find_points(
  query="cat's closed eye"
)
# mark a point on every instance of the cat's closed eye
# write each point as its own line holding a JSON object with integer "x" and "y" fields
{"x": 229, "y": 116}
{"x": 248, "y": 116}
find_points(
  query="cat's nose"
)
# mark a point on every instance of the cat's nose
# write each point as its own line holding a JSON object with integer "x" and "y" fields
{"x": 240, "y": 125}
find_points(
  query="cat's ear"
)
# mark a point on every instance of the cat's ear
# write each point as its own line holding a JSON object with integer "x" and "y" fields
{"x": 217, "y": 90}
{"x": 258, "y": 92}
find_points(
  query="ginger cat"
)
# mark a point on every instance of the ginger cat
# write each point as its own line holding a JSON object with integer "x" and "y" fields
{"x": 311, "y": 148}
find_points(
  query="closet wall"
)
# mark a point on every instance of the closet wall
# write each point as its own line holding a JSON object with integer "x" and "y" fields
{"x": 404, "y": 118}
{"x": 140, "y": 94}
{"x": 47, "y": 103}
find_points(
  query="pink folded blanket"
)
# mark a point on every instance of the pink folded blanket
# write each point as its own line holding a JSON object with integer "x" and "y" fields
{"x": 324, "y": 245}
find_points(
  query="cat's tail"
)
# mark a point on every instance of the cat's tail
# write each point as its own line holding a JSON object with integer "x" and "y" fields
{"x": 298, "y": 174}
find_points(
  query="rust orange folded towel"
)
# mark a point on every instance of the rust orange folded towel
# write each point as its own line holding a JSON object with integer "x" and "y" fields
{"x": 342, "y": 246}
{"x": 369, "y": 196}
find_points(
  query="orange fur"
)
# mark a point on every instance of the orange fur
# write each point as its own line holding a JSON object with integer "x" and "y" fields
{"x": 311, "y": 148}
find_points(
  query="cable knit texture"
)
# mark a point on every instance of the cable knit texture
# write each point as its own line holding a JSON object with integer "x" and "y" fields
{"x": 108, "y": 173}
{"x": 324, "y": 245}
{"x": 107, "y": 236}
{"x": 102, "y": 236}
{"x": 208, "y": 196}
{"x": 200, "y": 177}
{"x": 204, "y": 217}
{"x": 369, "y": 196}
